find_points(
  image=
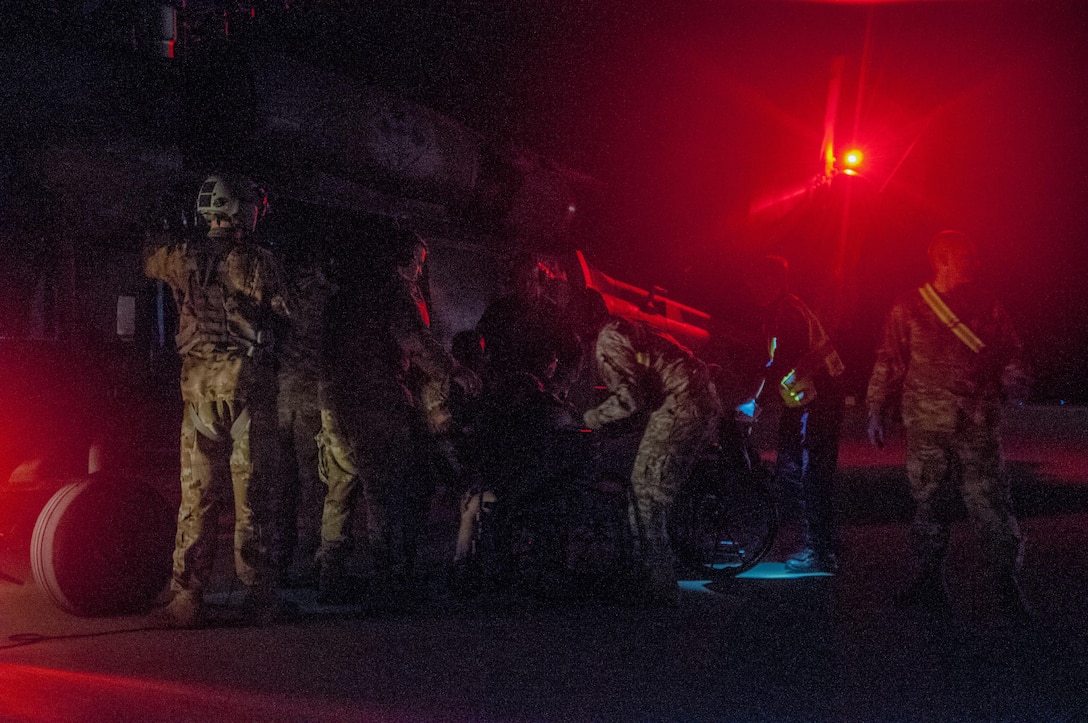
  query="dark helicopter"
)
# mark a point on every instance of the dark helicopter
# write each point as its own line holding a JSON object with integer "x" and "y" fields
{"x": 116, "y": 111}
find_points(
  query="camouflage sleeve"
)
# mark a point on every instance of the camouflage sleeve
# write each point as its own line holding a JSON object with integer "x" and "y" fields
{"x": 891, "y": 360}
{"x": 416, "y": 339}
{"x": 162, "y": 258}
{"x": 428, "y": 354}
{"x": 619, "y": 369}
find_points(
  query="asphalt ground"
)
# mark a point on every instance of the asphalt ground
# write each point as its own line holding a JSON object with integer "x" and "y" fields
{"x": 764, "y": 647}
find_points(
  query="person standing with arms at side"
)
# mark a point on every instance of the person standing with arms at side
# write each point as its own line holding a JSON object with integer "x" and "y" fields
{"x": 374, "y": 439}
{"x": 805, "y": 370}
{"x": 302, "y": 493}
{"x": 950, "y": 350}
{"x": 648, "y": 373}
{"x": 228, "y": 290}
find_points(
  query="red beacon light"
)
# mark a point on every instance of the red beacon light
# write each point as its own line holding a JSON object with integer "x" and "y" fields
{"x": 851, "y": 160}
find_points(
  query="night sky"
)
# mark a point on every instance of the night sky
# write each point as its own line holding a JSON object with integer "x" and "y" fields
{"x": 971, "y": 114}
{"x": 692, "y": 112}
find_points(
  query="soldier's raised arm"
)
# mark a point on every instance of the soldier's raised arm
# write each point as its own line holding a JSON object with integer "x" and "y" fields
{"x": 162, "y": 259}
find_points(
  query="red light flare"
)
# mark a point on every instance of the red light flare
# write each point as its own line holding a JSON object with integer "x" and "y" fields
{"x": 777, "y": 205}
{"x": 827, "y": 147}
{"x": 925, "y": 125}
{"x": 36, "y": 693}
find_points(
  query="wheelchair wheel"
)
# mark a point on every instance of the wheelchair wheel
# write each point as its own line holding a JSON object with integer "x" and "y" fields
{"x": 723, "y": 525}
{"x": 518, "y": 548}
{"x": 102, "y": 547}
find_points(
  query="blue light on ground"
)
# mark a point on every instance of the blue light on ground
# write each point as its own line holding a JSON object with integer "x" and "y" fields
{"x": 775, "y": 571}
{"x": 762, "y": 571}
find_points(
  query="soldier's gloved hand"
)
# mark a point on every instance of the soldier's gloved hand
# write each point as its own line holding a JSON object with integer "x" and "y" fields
{"x": 467, "y": 379}
{"x": 876, "y": 429}
{"x": 591, "y": 419}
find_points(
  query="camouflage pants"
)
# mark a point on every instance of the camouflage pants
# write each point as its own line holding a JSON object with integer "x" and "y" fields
{"x": 674, "y": 437}
{"x": 221, "y": 441}
{"x": 968, "y": 462}
{"x": 340, "y": 474}
{"x": 300, "y": 492}
{"x": 380, "y": 472}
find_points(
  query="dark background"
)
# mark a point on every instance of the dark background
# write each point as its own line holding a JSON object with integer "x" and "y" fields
{"x": 971, "y": 114}
{"x": 690, "y": 113}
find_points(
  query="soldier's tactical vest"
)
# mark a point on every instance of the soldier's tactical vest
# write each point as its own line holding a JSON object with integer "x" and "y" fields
{"x": 798, "y": 388}
{"x": 215, "y": 317}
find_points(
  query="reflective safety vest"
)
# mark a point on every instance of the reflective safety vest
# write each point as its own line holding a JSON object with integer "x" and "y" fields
{"x": 949, "y": 319}
{"x": 798, "y": 388}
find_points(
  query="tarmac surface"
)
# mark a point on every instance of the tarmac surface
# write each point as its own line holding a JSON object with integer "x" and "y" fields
{"x": 762, "y": 647}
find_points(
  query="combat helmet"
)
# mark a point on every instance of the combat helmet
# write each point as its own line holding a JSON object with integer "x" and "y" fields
{"x": 231, "y": 202}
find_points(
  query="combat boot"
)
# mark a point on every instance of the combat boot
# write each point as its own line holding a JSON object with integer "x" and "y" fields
{"x": 658, "y": 587}
{"x": 392, "y": 593}
{"x": 184, "y": 611}
{"x": 465, "y": 578}
{"x": 810, "y": 560}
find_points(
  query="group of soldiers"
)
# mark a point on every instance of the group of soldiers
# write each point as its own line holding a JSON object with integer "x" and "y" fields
{"x": 341, "y": 417}
{"x": 308, "y": 428}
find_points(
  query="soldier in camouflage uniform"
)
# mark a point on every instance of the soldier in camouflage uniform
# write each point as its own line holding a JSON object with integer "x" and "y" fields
{"x": 648, "y": 372}
{"x": 227, "y": 291}
{"x": 302, "y": 493}
{"x": 374, "y": 434}
{"x": 953, "y": 373}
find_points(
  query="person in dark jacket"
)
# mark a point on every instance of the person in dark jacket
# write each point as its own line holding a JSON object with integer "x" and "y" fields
{"x": 374, "y": 438}
{"x": 804, "y": 371}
